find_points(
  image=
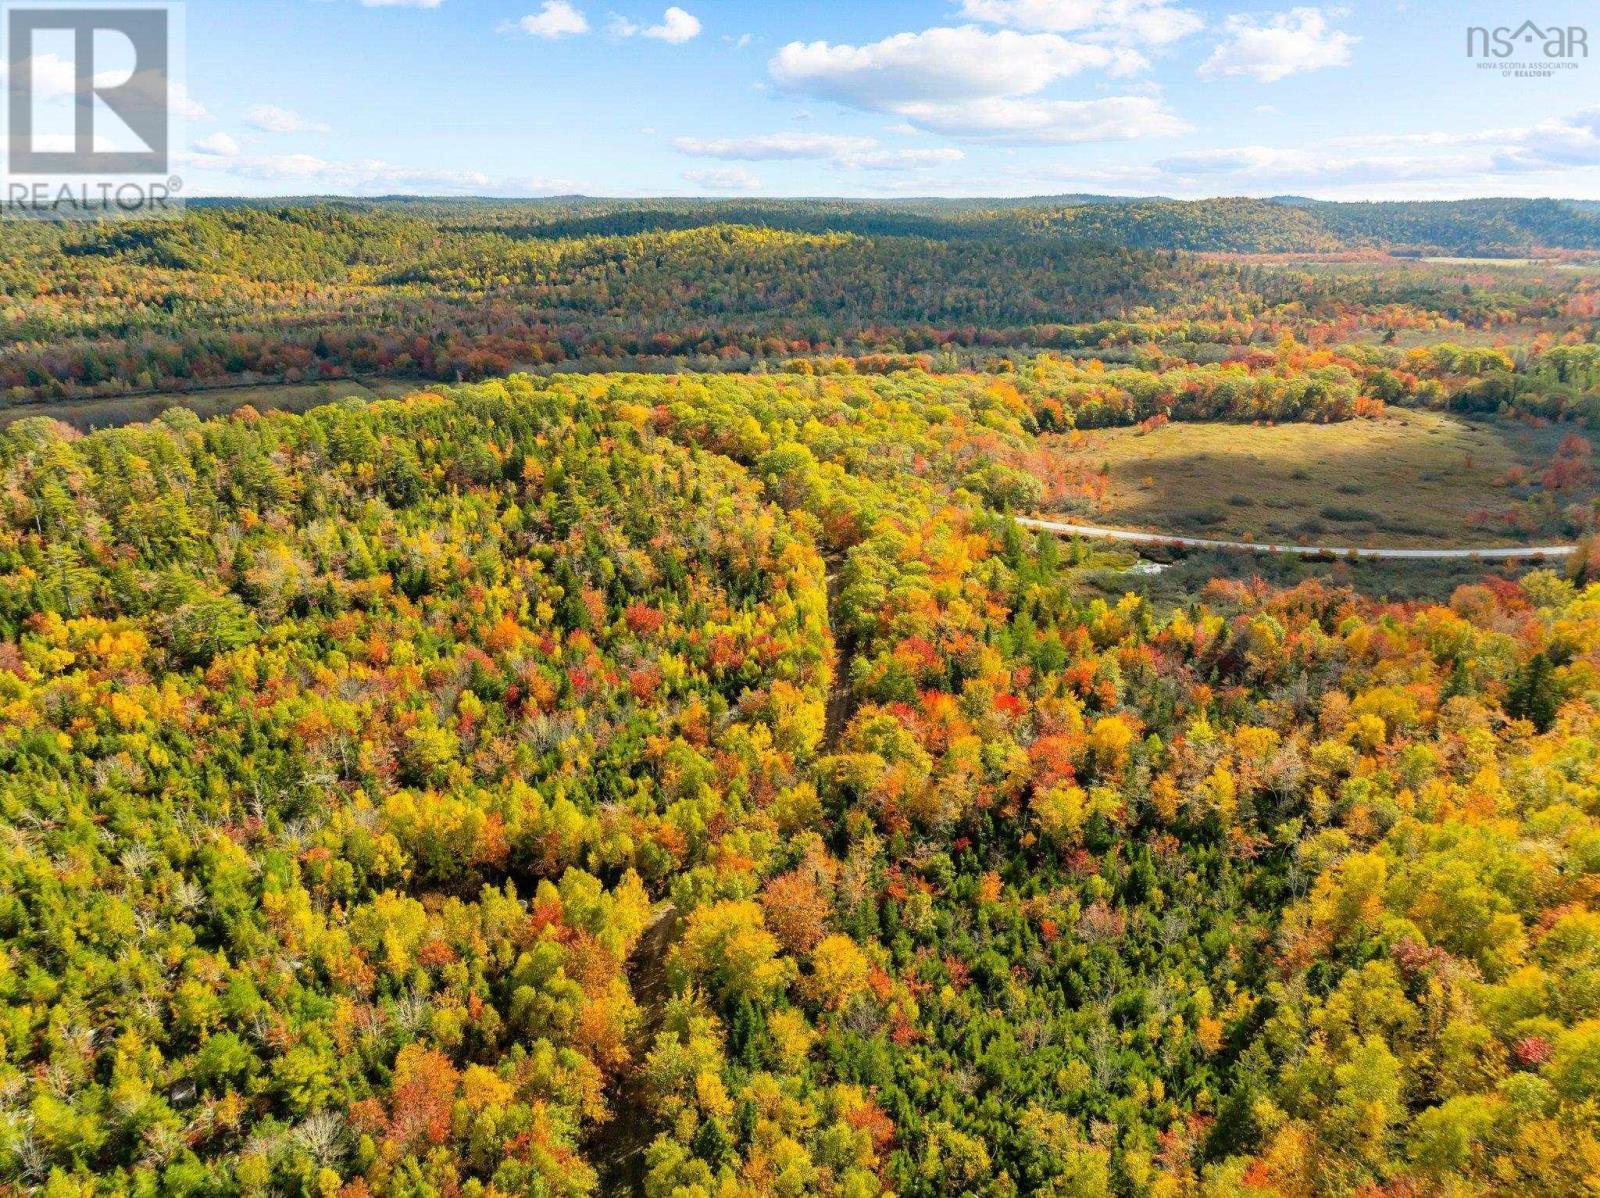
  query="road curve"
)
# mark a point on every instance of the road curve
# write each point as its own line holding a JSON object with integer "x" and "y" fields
{"x": 1161, "y": 538}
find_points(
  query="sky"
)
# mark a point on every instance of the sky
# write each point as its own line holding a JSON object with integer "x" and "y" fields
{"x": 886, "y": 98}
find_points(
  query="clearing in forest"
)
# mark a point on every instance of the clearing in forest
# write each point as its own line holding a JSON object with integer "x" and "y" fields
{"x": 1408, "y": 478}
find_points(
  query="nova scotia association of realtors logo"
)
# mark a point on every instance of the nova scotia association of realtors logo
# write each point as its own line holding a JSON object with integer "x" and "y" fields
{"x": 1528, "y": 50}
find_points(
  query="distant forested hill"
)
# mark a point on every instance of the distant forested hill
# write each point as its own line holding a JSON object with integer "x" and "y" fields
{"x": 466, "y": 289}
{"x": 1280, "y": 225}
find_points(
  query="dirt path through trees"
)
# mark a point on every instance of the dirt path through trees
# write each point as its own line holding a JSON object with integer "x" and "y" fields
{"x": 617, "y": 1147}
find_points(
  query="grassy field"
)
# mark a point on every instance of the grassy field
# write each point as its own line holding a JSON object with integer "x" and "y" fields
{"x": 1471, "y": 338}
{"x": 90, "y": 414}
{"x": 1406, "y": 479}
{"x": 1449, "y": 261}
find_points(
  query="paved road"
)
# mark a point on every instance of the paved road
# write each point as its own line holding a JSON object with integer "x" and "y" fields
{"x": 1159, "y": 538}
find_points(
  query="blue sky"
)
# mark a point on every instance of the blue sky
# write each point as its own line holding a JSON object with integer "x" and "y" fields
{"x": 951, "y": 97}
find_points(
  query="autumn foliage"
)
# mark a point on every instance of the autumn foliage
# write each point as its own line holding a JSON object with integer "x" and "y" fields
{"x": 699, "y": 782}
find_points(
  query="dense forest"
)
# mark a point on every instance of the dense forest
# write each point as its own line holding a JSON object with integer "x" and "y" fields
{"x": 651, "y": 758}
{"x": 698, "y": 785}
{"x": 1287, "y": 224}
{"x": 421, "y": 290}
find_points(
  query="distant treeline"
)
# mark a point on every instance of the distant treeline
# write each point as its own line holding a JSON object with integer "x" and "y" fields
{"x": 466, "y": 290}
{"x": 1230, "y": 224}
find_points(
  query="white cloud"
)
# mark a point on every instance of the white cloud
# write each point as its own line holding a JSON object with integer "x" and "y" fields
{"x": 66, "y": 143}
{"x": 55, "y": 79}
{"x": 1465, "y": 162}
{"x": 1155, "y": 22}
{"x": 1049, "y": 122}
{"x": 724, "y": 178}
{"x": 1560, "y": 143}
{"x": 1284, "y": 44}
{"x": 269, "y": 118}
{"x": 307, "y": 173}
{"x": 970, "y": 83}
{"x": 218, "y": 143}
{"x": 1560, "y": 156}
{"x": 767, "y": 146}
{"x": 555, "y": 18}
{"x": 940, "y": 66}
{"x": 897, "y": 160}
{"x": 839, "y": 150}
{"x": 1296, "y": 165}
{"x": 676, "y": 27}
{"x": 186, "y": 105}
{"x": 367, "y": 174}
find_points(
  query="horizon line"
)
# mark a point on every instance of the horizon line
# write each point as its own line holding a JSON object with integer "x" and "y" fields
{"x": 1131, "y": 197}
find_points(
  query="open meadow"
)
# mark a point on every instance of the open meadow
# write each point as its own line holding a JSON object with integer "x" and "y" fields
{"x": 1407, "y": 478}
{"x": 116, "y": 411}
